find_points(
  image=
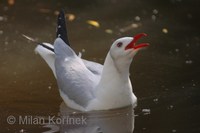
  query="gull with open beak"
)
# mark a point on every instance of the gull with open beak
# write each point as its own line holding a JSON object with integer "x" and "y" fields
{"x": 86, "y": 85}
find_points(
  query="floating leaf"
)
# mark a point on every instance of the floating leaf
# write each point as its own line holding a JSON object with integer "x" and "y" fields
{"x": 70, "y": 17}
{"x": 155, "y": 11}
{"x": 1, "y": 18}
{"x": 43, "y": 10}
{"x": 56, "y": 13}
{"x": 153, "y": 17}
{"x": 137, "y": 18}
{"x": 109, "y": 31}
{"x": 130, "y": 27}
{"x": 93, "y": 23}
{"x": 1, "y": 32}
{"x": 165, "y": 30}
{"x": 11, "y": 2}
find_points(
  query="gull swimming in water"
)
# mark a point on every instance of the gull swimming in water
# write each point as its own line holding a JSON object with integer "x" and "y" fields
{"x": 86, "y": 85}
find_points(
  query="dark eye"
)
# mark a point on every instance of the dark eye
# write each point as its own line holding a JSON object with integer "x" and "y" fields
{"x": 119, "y": 44}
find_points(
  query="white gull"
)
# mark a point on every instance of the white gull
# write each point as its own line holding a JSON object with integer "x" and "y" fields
{"x": 86, "y": 85}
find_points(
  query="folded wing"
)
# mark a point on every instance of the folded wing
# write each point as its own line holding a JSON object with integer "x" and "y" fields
{"x": 74, "y": 79}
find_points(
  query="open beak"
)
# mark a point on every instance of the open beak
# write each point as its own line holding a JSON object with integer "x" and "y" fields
{"x": 132, "y": 44}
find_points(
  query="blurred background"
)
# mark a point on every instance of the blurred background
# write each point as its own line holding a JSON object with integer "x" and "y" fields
{"x": 165, "y": 76}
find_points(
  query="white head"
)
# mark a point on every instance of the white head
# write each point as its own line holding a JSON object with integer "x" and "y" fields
{"x": 124, "y": 49}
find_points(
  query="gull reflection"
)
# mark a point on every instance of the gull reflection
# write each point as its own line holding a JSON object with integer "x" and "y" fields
{"x": 110, "y": 121}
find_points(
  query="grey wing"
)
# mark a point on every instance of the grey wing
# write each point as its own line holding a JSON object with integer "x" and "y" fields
{"x": 94, "y": 67}
{"x": 49, "y": 57}
{"x": 73, "y": 77}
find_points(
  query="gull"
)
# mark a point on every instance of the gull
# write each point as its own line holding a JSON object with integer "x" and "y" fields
{"x": 86, "y": 85}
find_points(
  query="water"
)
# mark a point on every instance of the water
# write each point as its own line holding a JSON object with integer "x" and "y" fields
{"x": 165, "y": 77}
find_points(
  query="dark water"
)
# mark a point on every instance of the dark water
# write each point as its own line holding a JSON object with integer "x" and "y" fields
{"x": 165, "y": 77}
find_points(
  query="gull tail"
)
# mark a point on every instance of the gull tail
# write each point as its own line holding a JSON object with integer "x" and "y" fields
{"x": 61, "y": 28}
{"x": 46, "y": 50}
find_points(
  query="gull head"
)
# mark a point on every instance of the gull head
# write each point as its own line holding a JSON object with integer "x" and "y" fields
{"x": 124, "y": 49}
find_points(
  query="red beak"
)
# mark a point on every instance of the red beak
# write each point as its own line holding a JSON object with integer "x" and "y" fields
{"x": 135, "y": 39}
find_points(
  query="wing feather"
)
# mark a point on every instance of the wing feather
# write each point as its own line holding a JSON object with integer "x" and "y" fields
{"x": 73, "y": 77}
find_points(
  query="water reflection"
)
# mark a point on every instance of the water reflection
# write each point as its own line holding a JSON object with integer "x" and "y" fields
{"x": 112, "y": 121}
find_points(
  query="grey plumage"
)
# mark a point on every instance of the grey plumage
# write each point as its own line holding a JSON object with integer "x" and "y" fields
{"x": 73, "y": 76}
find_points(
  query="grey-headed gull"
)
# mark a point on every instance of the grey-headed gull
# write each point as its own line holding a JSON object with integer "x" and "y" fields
{"x": 87, "y": 85}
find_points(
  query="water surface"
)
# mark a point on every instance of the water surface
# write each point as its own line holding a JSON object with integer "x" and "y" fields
{"x": 165, "y": 76}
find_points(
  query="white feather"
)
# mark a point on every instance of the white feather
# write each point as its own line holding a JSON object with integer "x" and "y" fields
{"x": 47, "y": 55}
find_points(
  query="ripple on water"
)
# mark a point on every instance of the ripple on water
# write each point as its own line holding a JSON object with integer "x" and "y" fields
{"x": 117, "y": 121}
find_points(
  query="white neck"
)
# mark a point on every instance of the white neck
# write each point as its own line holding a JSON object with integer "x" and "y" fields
{"x": 112, "y": 71}
{"x": 114, "y": 89}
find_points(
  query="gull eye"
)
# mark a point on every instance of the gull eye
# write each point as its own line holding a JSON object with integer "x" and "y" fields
{"x": 119, "y": 44}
